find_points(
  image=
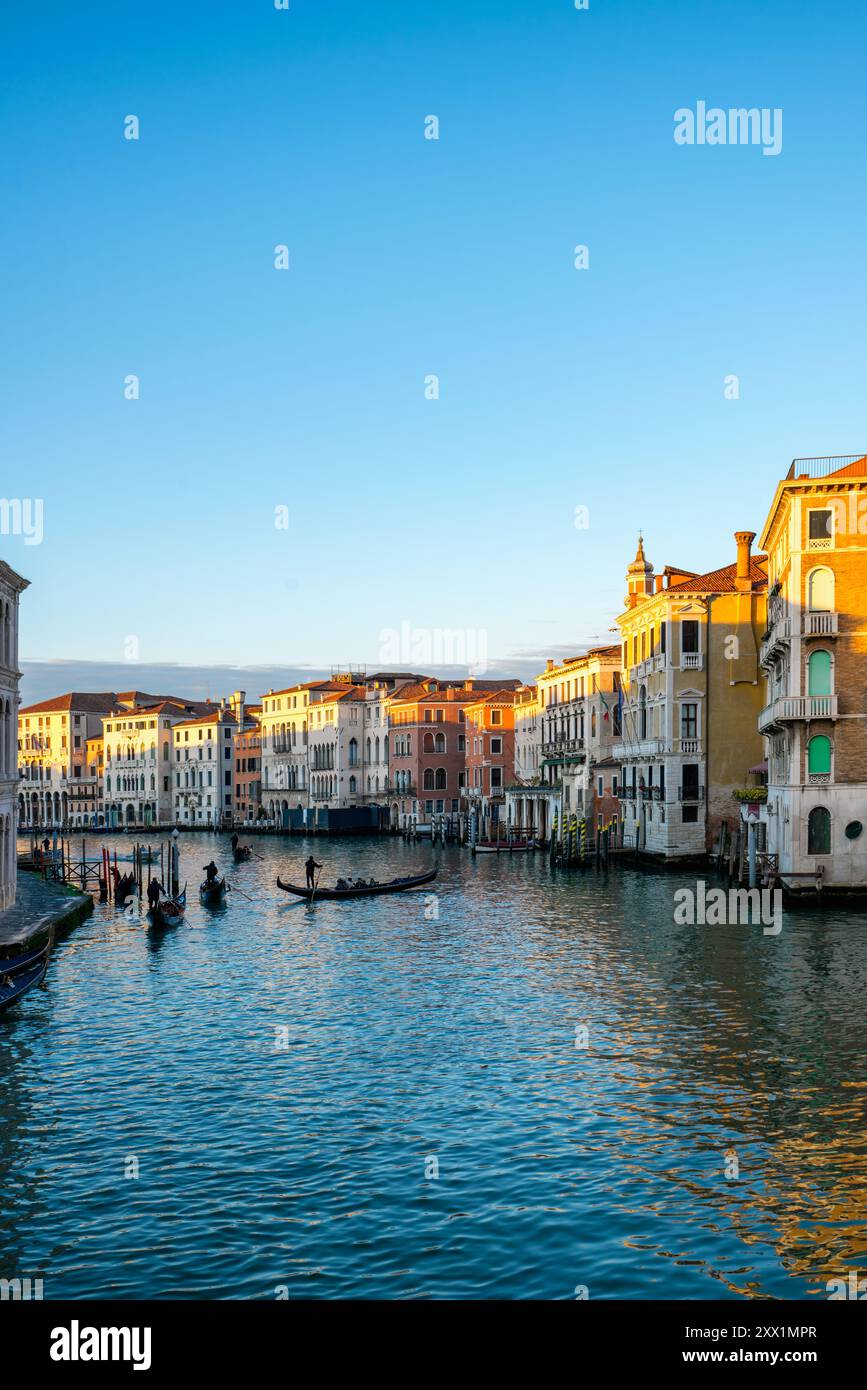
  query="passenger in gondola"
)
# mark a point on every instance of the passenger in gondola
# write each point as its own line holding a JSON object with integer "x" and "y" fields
{"x": 234, "y": 841}
{"x": 311, "y": 866}
{"x": 211, "y": 872}
{"x": 155, "y": 888}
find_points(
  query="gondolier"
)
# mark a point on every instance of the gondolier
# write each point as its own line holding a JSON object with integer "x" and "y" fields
{"x": 311, "y": 866}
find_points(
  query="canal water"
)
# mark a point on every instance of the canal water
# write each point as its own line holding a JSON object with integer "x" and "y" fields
{"x": 385, "y": 1099}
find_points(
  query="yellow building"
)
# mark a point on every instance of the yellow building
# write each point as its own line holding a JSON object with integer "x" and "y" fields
{"x": 691, "y": 698}
{"x": 814, "y": 655}
{"x": 52, "y": 755}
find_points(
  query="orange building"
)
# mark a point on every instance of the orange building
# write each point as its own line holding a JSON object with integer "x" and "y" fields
{"x": 248, "y": 767}
{"x": 427, "y": 748}
{"x": 490, "y": 751}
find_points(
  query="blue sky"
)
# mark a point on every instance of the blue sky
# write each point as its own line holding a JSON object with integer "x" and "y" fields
{"x": 558, "y": 388}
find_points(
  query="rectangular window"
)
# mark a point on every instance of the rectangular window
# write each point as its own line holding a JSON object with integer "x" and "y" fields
{"x": 496, "y": 777}
{"x": 688, "y": 721}
{"x": 496, "y": 745}
{"x": 496, "y": 716}
{"x": 662, "y": 630}
{"x": 689, "y": 814}
{"x": 819, "y": 525}
{"x": 689, "y": 635}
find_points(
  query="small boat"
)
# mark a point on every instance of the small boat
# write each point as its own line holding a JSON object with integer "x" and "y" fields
{"x": 241, "y": 853}
{"x": 213, "y": 893}
{"x": 31, "y": 955}
{"x": 12, "y": 986}
{"x": 169, "y": 911}
{"x": 502, "y": 848}
{"x": 367, "y": 890}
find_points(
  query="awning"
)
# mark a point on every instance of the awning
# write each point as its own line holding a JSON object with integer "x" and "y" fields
{"x": 759, "y": 767}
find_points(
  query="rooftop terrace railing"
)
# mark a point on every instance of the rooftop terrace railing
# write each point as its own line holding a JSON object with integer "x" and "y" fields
{"x": 822, "y": 467}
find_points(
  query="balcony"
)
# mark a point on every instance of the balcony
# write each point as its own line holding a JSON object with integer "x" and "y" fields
{"x": 792, "y": 709}
{"x": 691, "y": 661}
{"x": 773, "y": 644}
{"x": 561, "y": 747}
{"x": 691, "y": 795}
{"x": 819, "y": 624}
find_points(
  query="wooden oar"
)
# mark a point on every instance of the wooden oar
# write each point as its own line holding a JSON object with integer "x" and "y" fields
{"x": 233, "y": 887}
{"x": 315, "y": 886}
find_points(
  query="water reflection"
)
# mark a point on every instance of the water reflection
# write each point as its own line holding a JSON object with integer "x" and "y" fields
{"x": 284, "y": 1074}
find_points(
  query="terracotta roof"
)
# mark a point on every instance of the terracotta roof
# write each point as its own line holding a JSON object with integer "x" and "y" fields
{"x": 304, "y": 685}
{"x": 858, "y": 469}
{"x": 217, "y": 716}
{"x": 82, "y": 702}
{"x": 721, "y": 581}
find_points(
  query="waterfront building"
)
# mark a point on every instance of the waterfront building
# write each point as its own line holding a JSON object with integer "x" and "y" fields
{"x": 530, "y": 801}
{"x": 814, "y": 657}
{"x": 380, "y": 689}
{"x": 691, "y": 697}
{"x": 285, "y": 732}
{"x": 86, "y": 797}
{"x": 203, "y": 771}
{"x": 580, "y": 713}
{"x": 138, "y": 745}
{"x": 336, "y": 747}
{"x": 489, "y": 743}
{"x": 248, "y": 767}
{"x": 54, "y": 772}
{"x": 12, "y": 586}
{"x": 427, "y": 748}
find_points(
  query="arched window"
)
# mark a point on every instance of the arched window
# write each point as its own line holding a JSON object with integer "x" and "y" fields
{"x": 368, "y": 750}
{"x": 819, "y": 756}
{"x": 820, "y": 591}
{"x": 440, "y": 781}
{"x": 642, "y": 712}
{"x": 440, "y": 742}
{"x": 819, "y": 673}
{"x": 428, "y": 746}
{"x": 428, "y": 779}
{"x": 377, "y": 750}
{"x": 353, "y": 786}
{"x": 819, "y": 831}
{"x": 593, "y": 723}
{"x": 353, "y": 752}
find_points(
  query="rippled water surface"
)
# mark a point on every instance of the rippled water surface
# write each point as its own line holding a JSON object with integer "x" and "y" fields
{"x": 284, "y": 1077}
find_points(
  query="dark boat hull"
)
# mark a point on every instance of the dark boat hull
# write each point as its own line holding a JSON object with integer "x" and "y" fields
{"x": 165, "y": 915}
{"x": 395, "y": 885}
{"x": 242, "y": 854}
{"x": 213, "y": 895}
{"x": 14, "y": 986}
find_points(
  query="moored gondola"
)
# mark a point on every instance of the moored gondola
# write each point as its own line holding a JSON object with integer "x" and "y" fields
{"x": 362, "y": 890}
{"x": 12, "y": 986}
{"x": 212, "y": 893}
{"x": 168, "y": 912}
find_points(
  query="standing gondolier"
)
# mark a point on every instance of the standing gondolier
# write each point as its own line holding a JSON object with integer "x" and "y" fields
{"x": 311, "y": 866}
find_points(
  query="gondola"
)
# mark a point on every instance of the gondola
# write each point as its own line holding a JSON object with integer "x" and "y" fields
{"x": 241, "y": 853}
{"x": 10, "y": 965}
{"x": 13, "y": 986}
{"x": 503, "y": 848}
{"x": 212, "y": 894}
{"x": 168, "y": 912}
{"x": 394, "y": 885}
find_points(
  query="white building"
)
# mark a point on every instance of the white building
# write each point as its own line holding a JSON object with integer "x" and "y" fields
{"x": 11, "y": 587}
{"x": 138, "y": 760}
{"x": 203, "y": 774}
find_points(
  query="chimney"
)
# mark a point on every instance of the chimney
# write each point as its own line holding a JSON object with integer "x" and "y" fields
{"x": 549, "y": 664}
{"x": 658, "y": 581}
{"x": 743, "y": 579}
